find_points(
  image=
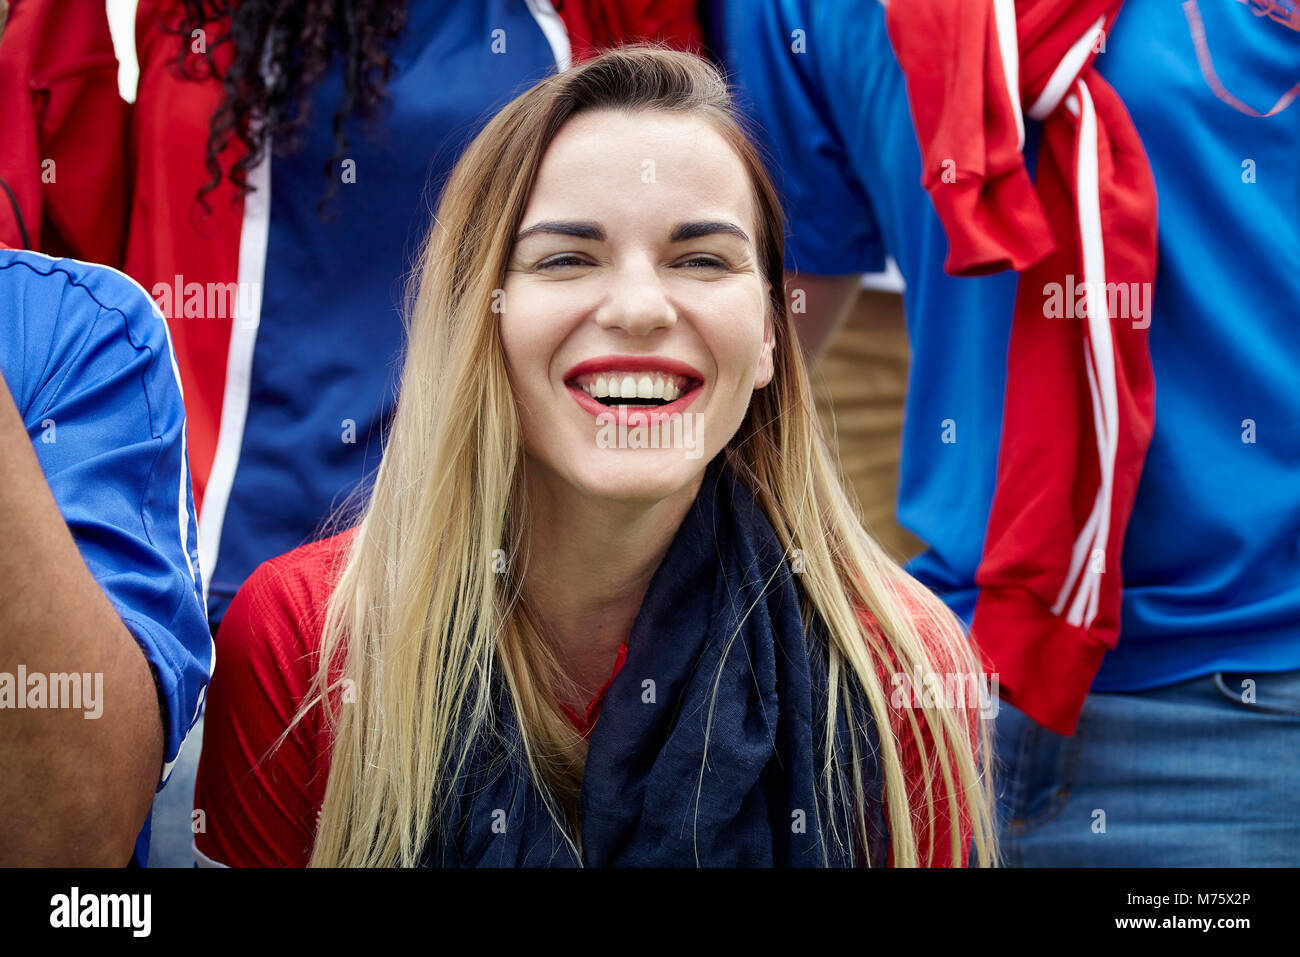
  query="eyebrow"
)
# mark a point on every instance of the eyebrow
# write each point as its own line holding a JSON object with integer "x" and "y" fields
{"x": 591, "y": 230}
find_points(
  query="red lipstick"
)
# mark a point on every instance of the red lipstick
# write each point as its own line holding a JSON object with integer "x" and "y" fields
{"x": 648, "y": 415}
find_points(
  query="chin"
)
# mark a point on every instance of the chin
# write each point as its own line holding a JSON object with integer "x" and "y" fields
{"x": 637, "y": 475}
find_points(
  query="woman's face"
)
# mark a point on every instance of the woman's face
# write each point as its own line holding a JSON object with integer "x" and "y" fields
{"x": 634, "y": 321}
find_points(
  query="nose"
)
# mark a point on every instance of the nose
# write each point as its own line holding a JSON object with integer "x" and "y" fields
{"x": 636, "y": 300}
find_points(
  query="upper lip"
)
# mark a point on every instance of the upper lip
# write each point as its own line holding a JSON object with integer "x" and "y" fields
{"x": 634, "y": 364}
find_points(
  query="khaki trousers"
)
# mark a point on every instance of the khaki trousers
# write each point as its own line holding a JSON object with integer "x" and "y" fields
{"x": 859, "y": 383}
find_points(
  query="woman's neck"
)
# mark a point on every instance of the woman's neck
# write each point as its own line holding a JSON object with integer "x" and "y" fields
{"x": 590, "y": 565}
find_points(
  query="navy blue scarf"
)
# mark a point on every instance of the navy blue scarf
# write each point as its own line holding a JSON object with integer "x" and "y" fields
{"x": 721, "y": 613}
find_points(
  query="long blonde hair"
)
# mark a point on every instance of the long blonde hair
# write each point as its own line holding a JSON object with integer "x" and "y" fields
{"x": 428, "y": 602}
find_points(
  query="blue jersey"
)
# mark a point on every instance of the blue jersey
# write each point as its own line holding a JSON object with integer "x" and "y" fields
{"x": 308, "y": 383}
{"x": 1211, "y": 557}
{"x": 87, "y": 358}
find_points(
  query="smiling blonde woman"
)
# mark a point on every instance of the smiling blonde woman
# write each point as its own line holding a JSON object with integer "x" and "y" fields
{"x": 605, "y": 456}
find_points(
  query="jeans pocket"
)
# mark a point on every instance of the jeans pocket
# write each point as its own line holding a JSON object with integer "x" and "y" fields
{"x": 1046, "y": 771}
{"x": 1262, "y": 693}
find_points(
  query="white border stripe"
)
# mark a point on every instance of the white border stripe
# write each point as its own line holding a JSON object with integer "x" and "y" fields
{"x": 1099, "y": 357}
{"x": 553, "y": 28}
{"x": 183, "y": 504}
{"x": 1004, "y": 15}
{"x": 202, "y": 859}
{"x": 198, "y": 707}
{"x": 1100, "y": 334}
{"x": 1082, "y": 549}
{"x": 1088, "y": 537}
{"x": 185, "y": 547}
{"x": 1067, "y": 70}
{"x": 253, "y": 239}
{"x": 184, "y": 512}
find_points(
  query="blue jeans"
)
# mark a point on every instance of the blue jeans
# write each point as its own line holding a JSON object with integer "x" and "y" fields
{"x": 1195, "y": 774}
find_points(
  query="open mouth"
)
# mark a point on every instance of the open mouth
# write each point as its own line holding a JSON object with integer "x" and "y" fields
{"x": 635, "y": 390}
{"x": 649, "y": 389}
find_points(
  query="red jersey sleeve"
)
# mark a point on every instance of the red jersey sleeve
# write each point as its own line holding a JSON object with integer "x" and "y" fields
{"x": 63, "y": 148}
{"x": 914, "y": 766}
{"x": 260, "y": 805}
{"x": 173, "y": 239}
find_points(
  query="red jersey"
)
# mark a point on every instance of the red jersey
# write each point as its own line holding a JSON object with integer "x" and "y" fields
{"x": 261, "y": 810}
{"x": 63, "y": 150}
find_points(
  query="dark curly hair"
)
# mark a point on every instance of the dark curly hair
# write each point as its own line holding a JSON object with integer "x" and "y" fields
{"x": 300, "y": 39}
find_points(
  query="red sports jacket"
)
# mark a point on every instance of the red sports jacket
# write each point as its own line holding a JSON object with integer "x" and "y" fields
{"x": 1079, "y": 409}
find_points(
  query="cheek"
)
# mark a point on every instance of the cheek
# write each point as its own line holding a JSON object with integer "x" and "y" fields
{"x": 524, "y": 336}
{"x": 736, "y": 335}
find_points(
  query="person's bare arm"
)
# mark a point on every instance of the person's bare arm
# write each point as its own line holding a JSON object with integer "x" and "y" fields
{"x": 818, "y": 306}
{"x": 74, "y": 790}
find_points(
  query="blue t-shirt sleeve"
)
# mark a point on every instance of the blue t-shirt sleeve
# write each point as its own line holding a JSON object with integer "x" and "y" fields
{"x": 776, "y": 56}
{"x": 88, "y": 359}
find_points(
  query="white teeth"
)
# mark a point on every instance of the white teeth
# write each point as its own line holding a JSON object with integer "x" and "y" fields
{"x": 649, "y": 385}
